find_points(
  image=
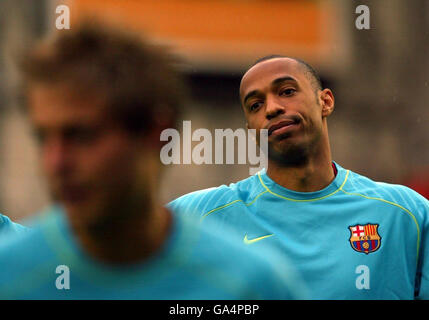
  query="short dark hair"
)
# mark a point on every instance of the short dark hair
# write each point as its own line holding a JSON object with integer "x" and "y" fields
{"x": 137, "y": 79}
{"x": 314, "y": 76}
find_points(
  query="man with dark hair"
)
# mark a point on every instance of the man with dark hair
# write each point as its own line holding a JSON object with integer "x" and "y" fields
{"x": 98, "y": 100}
{"x": 349, "y": 236}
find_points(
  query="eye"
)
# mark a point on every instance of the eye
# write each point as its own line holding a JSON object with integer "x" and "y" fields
{"x": 287, "y": 92}
{"x": 255, "y": 106}
{"x": 40, "y": 135}
{"x": 81, "y": 135}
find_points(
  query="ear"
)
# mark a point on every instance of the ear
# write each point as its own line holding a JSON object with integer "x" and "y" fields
{"x": 162, "y": 119}
{"x": 151, "y": 138}
{"x": 327, "y": 101}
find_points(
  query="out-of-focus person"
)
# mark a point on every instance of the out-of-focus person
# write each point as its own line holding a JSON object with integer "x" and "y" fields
{"x": 98, "y": 99}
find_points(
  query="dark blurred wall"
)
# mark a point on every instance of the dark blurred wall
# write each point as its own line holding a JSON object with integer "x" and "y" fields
{"x": 379, "y": 127}
{"x": 22, "y": 190}
{"x": 381, "y": 122}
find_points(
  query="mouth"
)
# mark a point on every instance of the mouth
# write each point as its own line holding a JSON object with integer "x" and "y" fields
{"x": 283, "y": 126}
{"x": 73, "y": 194}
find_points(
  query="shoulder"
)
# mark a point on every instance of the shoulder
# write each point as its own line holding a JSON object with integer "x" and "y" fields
{"x": 20, "y": 256}
{"x": 394, "y": 194}
{"x": 28, "y": 244}
{"x": 12, "y": 245}
{"x": 27, "y": 255}
{"x": 8, "y": 226}
{"x": 202, "y": 201}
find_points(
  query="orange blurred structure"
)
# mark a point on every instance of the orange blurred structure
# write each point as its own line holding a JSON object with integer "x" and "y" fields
{"x": 225, "y": 34}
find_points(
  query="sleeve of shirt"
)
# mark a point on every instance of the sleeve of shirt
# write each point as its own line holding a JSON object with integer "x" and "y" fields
{"x": 199, "y": 202}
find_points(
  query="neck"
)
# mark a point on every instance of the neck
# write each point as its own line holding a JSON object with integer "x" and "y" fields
{"x": 129, "y": 238}
{"x": 313, "y": 175}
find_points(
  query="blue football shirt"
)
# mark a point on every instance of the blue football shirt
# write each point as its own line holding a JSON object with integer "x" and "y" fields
{"x": 355, "y": 239}
{"x": 194, "y": 263}
{"x": 9, "y": 227}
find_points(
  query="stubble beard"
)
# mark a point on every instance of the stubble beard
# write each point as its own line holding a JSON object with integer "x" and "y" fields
{"x": 293, "y": 154}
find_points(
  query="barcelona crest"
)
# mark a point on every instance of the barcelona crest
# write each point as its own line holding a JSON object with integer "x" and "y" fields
{"x": 365, "y": 238}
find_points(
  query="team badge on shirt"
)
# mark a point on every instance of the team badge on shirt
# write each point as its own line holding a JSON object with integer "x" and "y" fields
{"x": 365, "y": 238}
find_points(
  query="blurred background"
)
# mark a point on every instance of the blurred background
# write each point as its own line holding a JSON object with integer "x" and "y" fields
{"x": 380, "y": 79}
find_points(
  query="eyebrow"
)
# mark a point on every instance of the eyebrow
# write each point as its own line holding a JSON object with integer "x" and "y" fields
{"x": 250, "y": 95}
{"x": 283, "y": 79}
{"x": 273, "y": 83}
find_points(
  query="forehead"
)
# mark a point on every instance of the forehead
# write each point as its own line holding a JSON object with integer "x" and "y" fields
{"x": 263, "y": 73}
{"x": 61, "y": 105}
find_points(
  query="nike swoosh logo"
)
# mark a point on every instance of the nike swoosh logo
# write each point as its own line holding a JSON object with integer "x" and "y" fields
{"x": 250, "y": 241}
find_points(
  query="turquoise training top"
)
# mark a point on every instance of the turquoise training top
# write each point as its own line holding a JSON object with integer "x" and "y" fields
{"x": 355, "y": 239}
{"x": 194, "y": 263}
{"x": 9, "y": 227}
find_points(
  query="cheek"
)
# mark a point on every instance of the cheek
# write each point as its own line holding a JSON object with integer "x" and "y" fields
{"x": 109, "y": 160}
{"x": 255, "y": 121}
{"x": 312, "y": 114}
{"x": 316, "y": 119}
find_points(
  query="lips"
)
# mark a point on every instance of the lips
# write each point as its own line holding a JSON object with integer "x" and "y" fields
{"x": 283, "y": 124}
{"x": 72, "y": 194}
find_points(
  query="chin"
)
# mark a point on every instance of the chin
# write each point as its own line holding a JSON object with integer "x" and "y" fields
{"x": 290, "y": 155}
{"x": 82, "y": 214}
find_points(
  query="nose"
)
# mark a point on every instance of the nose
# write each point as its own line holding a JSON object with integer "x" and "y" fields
{"x": 273, "y": 108}
{"x": 55, "y": 157}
